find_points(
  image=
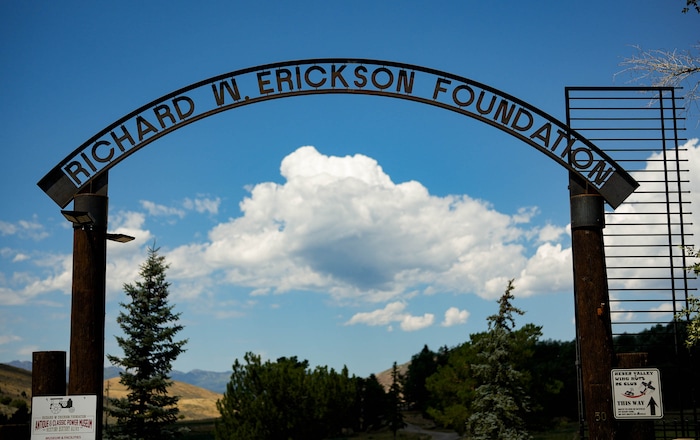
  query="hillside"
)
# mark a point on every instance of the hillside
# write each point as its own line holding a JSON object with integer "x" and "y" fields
{"x": 15, "y": 387}
{"x": 195, "y": 403}
{"x": 384, "y": 378}
{"x": 211, "y": 380}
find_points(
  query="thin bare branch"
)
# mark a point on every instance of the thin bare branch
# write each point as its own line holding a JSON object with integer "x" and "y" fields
{"x": 663, "y": 68}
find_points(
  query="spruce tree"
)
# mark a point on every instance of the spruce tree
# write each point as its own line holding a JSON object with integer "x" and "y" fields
{"x": 422, "y": 366}
{"x": 150, "y": 348}
{"x": 395, "y": 400}
{"x": 453, "y": 388}
{"x": 285, "y": 400}
{"x": 501, "y": 398}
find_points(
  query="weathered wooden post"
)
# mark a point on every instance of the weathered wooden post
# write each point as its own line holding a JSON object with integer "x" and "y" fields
{"x": 48, "y": 373}
{"x": 87, "y": 335}
{"x": 635, "y": 429}
{"x": 593, "y": 325}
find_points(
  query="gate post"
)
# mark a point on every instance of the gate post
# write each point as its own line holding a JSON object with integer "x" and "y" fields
{"x": 87, "y": 333}
{"x": 635, "y": 429}
{"x": 593, "y": 325}
{"x": 48, "y": 373}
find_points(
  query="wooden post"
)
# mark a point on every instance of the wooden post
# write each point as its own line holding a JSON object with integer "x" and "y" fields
{"x": 635, "y": 429}
{"x": 48, "y": 373}
{"x": 593, "y": 325}
{"x": 86, "y": 371}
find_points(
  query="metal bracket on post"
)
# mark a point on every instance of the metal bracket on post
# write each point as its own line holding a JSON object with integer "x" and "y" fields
{"x": 587, "y": 211}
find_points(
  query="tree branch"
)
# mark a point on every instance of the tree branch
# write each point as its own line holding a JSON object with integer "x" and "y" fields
{"x": 662, "y": 68}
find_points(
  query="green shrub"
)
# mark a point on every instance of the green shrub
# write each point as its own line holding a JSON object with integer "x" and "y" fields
{"x": 18, "y": 403}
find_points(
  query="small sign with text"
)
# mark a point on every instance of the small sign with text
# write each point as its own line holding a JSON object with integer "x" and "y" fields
{"x": 64, "y": 417}
{"x": 637, "y": 393}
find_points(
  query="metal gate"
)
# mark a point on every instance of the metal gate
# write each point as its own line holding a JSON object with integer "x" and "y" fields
{"x": 646, "y": 237}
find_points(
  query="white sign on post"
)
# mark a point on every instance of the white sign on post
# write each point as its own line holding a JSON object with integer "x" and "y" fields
{"x": 637, "y": 393}
{"x": 64, "y": 417}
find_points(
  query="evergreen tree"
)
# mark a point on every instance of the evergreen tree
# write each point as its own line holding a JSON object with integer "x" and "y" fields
{"x": 286, "y": 400}
{"x": 452, "y": 388}
{"x": 150, "y": 348}
{"x": 396, "y": 421}
{"x": 660, "y": 343}
{"x": 554, "y": 383}
{"x": 501, "y": 399}
{"x": 422, "y": 366}
{"x": 372, "y": 403}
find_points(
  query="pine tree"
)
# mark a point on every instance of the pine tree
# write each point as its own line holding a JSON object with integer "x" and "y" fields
{"x": 453, "y": 388}
{"x": 285, "y": 400}
{"x": 396, "y": 420}
{"x": 501, "y": 398}
{"x": 422, "y": 366}
{"x": 373, "y": 402}
{"x": 149, "y": 326}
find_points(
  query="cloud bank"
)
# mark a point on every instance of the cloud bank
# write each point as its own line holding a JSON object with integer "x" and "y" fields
{"x": 339, "y": 226}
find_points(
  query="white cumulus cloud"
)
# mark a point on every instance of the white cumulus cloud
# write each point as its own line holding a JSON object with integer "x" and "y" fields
{"x": 412, "y": 323}
{"x": 393, "y": 312}
{"x": 454, "y": 316}
{"x": 31, "y": 229}
{"x": 203, "y": 204}
{"x": 342, "y": 226}
{"x": 156, "y": 209}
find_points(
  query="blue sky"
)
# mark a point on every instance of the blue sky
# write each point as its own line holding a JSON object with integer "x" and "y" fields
{"x": 402, "y": 222}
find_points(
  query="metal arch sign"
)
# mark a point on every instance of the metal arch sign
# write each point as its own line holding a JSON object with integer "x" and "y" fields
{"x": 332, "y": 76}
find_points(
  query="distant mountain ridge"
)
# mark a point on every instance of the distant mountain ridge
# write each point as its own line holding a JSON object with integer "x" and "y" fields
{"x": 25, "y": 365}
{"x": 209, "y": 380}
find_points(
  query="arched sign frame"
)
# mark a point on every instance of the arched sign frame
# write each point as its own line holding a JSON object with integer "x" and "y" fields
{"x": 410, "y": 82}
{"x": 594, "y": 179}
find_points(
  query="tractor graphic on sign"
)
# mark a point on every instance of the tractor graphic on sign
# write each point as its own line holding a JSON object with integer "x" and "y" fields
{"x": 56, "y": 407}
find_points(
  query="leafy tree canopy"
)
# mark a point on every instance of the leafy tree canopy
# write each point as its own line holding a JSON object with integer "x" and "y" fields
{"x": 286, "y": 400}
{"x": 691, "y": 313}
{"x": 422, "y": 366}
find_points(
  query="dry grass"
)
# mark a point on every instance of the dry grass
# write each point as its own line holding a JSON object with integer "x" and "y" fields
{"x": 15, "y": 384}
{"x": 195, "y": 403}
{"x": 384, "y": 378}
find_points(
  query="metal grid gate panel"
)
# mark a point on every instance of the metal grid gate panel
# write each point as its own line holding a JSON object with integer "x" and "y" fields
{"x": 646, "y": 237}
